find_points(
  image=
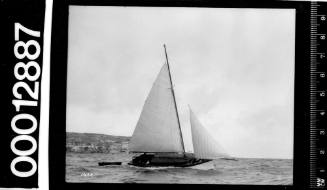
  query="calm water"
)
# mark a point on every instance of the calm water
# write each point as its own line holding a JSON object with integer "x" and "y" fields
{"x": 82, "y": 167}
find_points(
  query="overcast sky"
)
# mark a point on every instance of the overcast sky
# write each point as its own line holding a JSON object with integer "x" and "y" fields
{"x": 235, "y": 67}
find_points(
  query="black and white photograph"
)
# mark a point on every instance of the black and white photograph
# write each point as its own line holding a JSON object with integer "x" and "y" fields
{"x": 180, "y": 95}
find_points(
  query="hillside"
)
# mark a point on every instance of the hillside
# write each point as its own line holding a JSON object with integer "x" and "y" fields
{"x": 95, "y": 143}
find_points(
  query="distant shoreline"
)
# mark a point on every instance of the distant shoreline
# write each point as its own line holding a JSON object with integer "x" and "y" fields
{"x": 100, "y": 134}
{"x": 95, "y": 143}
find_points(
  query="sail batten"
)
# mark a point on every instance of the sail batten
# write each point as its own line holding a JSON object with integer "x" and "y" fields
{"x": 204, "y": 145}
{"x": 157, "y": 129}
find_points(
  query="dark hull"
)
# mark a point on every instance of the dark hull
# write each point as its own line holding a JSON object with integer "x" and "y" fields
{"x": 109, "y": 163}
{"x": 164, "y": 160}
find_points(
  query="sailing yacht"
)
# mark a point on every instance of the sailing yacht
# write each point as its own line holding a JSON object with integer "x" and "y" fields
{"x": 158, "y": 136}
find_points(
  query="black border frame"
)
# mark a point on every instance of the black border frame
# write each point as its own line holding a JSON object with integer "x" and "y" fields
{"x": 30, "y": 14}
{"x": 58, "y": 79}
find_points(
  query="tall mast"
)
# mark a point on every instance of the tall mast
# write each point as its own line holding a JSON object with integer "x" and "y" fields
{"x": 172, "y": 89}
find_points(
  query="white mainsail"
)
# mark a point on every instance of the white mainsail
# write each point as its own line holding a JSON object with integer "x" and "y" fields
{"x": 204, "y": 145}
{"x": 157, "y": 129}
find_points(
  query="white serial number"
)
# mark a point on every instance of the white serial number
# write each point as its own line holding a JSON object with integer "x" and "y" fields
{"x": 25, "y": 70}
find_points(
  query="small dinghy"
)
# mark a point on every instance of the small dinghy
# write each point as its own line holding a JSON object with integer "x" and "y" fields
{"x": 109, "y": 163}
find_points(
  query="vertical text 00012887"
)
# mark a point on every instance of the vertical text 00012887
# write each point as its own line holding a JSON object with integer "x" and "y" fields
{"x": 26, "y": 62}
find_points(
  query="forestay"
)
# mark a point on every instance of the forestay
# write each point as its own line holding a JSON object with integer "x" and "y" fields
{"x": 157, "y": 129}
{"x": 204, "y": 145}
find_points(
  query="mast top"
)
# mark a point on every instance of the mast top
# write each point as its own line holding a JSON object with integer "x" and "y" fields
{"x": 166, "y": 55}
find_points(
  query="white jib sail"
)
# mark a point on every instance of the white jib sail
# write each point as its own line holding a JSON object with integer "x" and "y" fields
{"x": 157, "y": 129}
{"x": 204, "y": 145}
